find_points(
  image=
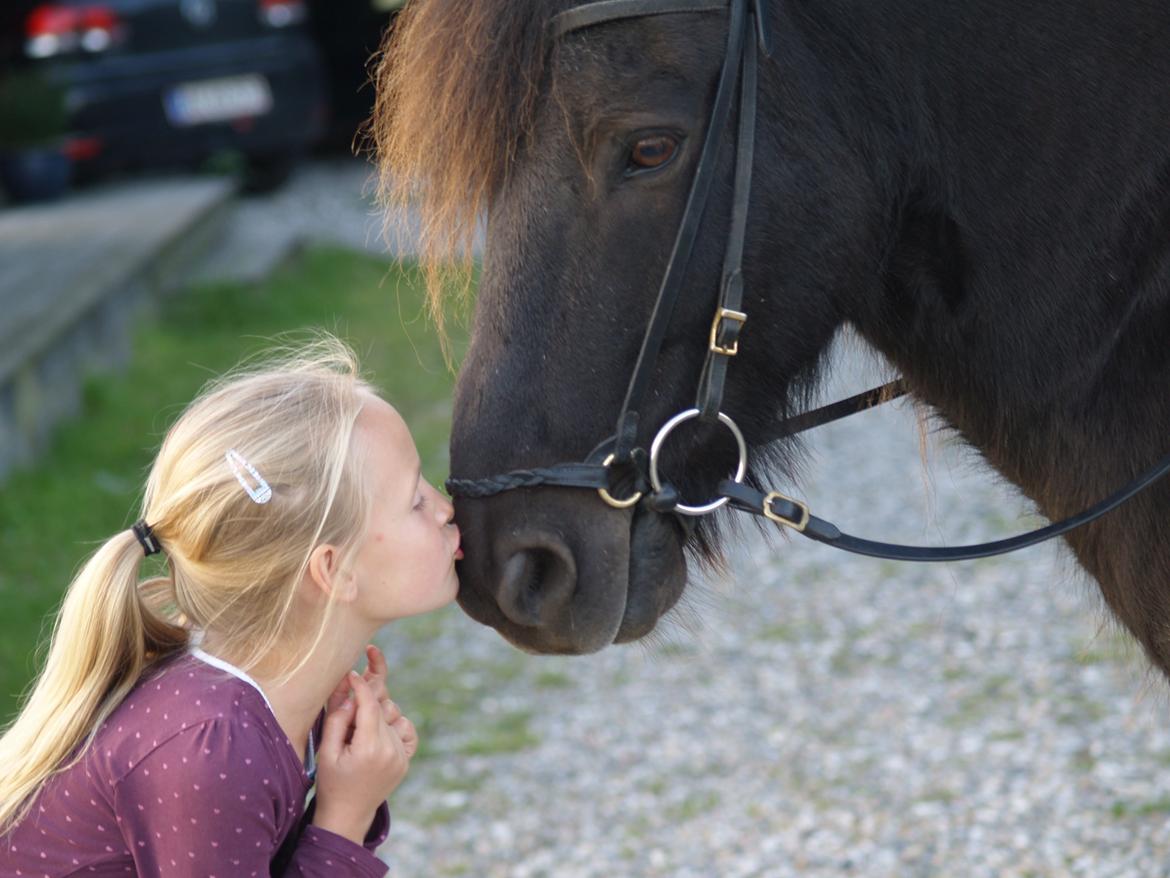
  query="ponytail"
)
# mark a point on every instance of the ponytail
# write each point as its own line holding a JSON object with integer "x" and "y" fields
{"x": 234, "y": 564}
{"x": 104, "y": 636}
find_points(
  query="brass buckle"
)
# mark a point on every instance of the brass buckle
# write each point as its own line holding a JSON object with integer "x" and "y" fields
{"x": 608, "y": 498}
{"x": 779, "y": 519}
{"x": 728, "y": 314}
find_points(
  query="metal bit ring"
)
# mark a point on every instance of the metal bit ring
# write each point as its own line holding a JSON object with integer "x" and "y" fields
{"x": 609, "y": 498}
{"x": 656, "y": 447}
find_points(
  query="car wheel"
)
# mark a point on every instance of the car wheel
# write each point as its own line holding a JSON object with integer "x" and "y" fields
{"x": 264, "y": 173}
{"x": 35, "y": 174}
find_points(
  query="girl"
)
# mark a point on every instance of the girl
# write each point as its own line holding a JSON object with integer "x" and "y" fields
{"x": 178, "y": 723}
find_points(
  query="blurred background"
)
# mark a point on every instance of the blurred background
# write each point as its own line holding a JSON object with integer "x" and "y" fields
{"x": 178, "y": 187}
{"x": 89, "y": 88}
{"x": 156, "y": 157}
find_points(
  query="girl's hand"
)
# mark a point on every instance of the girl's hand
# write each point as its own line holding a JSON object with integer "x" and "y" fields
{"x": 375, "y": 676}
{"x": 361, "y": 761}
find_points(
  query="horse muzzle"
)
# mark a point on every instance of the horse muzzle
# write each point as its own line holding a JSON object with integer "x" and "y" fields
{"x": 560, "y": 572}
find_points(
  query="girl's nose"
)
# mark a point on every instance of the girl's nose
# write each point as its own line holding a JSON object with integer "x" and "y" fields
{"x": 443, "y": 507}
{"x": 446, "y": 510}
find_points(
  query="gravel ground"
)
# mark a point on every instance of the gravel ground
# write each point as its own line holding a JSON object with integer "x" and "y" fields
{"x": 816, "y": 713}
{"x": 811, "y": 713}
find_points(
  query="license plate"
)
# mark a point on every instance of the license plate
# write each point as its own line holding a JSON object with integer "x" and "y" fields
{"x": 218, "y": 100}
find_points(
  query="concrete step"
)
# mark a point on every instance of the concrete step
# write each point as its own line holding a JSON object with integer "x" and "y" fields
{"x": 74, "y": 276}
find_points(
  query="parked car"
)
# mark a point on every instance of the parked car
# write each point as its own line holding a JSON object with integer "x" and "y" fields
{"x": 34, "y": 136}
{"x": 171, "y": 82}
{"x": 348, "y": 33}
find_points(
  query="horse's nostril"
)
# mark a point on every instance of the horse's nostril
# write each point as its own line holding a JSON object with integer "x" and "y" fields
{"x": 537, "y": 583}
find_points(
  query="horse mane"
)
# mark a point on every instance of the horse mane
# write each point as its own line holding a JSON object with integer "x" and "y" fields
{"x": 457, "y": 90}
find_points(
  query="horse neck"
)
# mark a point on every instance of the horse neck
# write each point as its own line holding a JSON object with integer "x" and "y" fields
{"x": 1024, "y": 291}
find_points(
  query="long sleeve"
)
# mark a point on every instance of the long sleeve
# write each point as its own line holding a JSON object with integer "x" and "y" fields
{"x": 375, "y": 835}
{"x": 212, "y": 801}
{"x": 310, "y": 837}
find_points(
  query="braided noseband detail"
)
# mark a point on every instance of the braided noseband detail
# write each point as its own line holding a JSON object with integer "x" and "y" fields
{"x": 522, "y": 478}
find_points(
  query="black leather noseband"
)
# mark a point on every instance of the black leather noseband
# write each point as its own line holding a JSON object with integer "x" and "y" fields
{"x": 623, "y": 473}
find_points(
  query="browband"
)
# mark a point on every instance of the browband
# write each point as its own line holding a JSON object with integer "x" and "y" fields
{"x": 610, "y": 10}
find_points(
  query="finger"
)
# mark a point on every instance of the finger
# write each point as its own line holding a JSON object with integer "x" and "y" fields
{"x": 377, "y": 684}
{"x": 376, "y": 671}
{"x": 338, "y": 695}
{"x": 368, "y": 718}
{"x": 390, "y": 712}
{"x": 376, "y": 661}
{"x": 407, "y": 734}
{"x": 333, "y": 733}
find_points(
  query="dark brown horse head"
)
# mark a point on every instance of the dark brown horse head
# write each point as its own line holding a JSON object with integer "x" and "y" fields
{"x": 579, "y": 153}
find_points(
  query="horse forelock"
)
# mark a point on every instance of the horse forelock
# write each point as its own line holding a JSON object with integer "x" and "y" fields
{"x": 457, "y": 89}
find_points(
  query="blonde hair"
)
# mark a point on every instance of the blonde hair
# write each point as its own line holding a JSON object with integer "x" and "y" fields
{"x": 452, "y": 66}
{"x": 234, "y": 565}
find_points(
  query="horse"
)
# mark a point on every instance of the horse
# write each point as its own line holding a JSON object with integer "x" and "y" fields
{"x": 980, "y": 191}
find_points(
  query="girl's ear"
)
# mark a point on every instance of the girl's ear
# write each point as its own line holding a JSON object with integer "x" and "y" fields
{"x": 326, "y": 574}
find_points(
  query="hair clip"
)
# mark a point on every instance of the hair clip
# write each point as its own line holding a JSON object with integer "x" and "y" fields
{"x": 261, "y": 493}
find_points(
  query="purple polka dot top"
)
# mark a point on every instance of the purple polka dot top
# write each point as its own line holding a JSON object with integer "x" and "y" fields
{"x": 191, "y": 775}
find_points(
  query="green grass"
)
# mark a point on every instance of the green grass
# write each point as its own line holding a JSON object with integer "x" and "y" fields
{"x": 1108, "y": 647}
{"x": 1156, "y": 807}
{"x": 88, "y": 485}
{"x": 438, "y": 693}
{"x": 553, "y": 680}
{"x": 509, "y": 733}
{"x": 694, "y": 805}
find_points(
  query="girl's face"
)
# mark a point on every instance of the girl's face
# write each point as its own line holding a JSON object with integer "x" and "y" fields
{"x": 406, "y": 563}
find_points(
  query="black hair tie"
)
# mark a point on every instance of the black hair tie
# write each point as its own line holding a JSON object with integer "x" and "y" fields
{"x": 146, "y": 537}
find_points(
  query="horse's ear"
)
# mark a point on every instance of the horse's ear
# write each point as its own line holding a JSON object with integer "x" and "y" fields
{"x": 763, "y": 27}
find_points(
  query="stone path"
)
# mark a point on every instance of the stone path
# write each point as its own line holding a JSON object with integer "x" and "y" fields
{"x": 73, "y": 276}
{"x": 813, "y": 713}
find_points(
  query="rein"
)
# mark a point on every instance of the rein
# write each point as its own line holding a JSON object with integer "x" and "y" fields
{"x": 622, "y": 473}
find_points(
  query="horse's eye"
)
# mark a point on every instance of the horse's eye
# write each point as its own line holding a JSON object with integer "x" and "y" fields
{"x": 652, "y": 152}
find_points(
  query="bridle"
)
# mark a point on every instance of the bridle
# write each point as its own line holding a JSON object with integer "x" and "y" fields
{"x": 622, "y": 473}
